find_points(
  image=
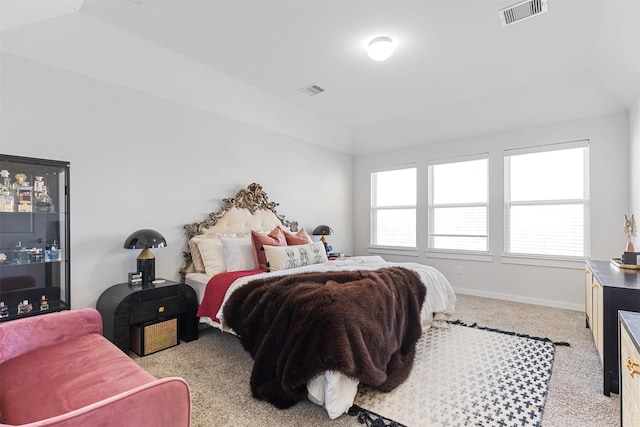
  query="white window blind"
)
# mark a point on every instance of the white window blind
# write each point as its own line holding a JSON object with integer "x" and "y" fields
{"x": 547, "y": 201}
{"x": 393, "y": 207}
{"x": 458, "y": 205}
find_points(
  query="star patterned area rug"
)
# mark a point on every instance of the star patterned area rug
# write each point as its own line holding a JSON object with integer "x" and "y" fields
{"x": 466, "y": 375}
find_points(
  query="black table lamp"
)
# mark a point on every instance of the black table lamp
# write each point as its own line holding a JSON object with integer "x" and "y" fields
{"x": 324, "y": 230}
{"x": 145, "y": 239}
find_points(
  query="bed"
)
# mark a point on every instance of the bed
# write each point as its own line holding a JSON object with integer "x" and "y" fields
{"x": 246, "y": 262}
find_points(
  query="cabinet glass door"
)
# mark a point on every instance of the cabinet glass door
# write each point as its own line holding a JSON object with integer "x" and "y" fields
{"x": 34, "y": 236}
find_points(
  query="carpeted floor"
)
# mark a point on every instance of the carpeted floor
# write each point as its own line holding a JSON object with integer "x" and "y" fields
{"x": 218, "y": 369}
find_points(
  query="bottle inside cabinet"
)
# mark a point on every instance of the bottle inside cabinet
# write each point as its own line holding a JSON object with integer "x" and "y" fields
{"x": 34, "y": 236}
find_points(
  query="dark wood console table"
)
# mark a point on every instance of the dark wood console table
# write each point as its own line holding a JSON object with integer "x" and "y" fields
{"x": 609, "y": 288}
{"x": 124, "y": 305}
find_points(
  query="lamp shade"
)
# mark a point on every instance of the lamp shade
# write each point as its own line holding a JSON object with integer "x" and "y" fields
{"x": 145, "y": 238}
{"x": 323, "y": 230}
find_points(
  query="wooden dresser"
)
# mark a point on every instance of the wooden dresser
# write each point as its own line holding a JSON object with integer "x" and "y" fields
{"x": 629, "y": 342}
{"x": 608, "y": 289}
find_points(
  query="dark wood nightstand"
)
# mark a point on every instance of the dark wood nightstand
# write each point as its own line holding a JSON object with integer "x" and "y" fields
{"x": 124, "y": 305}
{"x": 609, "y": 289}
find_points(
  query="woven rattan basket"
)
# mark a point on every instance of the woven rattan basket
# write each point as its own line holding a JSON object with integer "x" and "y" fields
{"x": 150, "y": 337}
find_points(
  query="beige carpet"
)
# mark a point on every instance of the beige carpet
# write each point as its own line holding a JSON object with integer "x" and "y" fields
{"x": 218, "y": 369}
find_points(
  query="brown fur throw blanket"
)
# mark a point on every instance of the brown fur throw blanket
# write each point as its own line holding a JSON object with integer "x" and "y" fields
{"x": 364, "y": 324}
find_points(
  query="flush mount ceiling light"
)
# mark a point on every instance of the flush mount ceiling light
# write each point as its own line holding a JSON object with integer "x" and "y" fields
{"x": 381, "y": 48}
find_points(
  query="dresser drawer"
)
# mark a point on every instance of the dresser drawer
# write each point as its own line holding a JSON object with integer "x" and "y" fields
{"x": 630, "y": 377}
{"x": 151, "y": 310}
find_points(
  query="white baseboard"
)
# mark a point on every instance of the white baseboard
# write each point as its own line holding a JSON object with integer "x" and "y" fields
{"x": 517, "y": 298}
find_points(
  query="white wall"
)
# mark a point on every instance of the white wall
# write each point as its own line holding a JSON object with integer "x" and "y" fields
{"x": 561, "y": 287}
{"x": 140, "y": 161}
{"x": 634, "y": 159}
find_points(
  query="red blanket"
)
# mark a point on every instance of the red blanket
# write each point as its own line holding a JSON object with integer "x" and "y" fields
{"x": 216, "y": 289}
{"x": 364, "y": 324}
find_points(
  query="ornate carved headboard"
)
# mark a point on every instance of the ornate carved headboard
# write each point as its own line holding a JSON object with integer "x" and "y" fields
{"x": 250, "y": 209}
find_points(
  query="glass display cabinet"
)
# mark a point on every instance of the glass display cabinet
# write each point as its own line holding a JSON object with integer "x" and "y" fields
{"x": 34, "y": 237}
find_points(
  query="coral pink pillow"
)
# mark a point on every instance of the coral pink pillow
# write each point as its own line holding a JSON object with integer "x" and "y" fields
{"x": 300, "y": 238}
{"x": 275, "y": 238}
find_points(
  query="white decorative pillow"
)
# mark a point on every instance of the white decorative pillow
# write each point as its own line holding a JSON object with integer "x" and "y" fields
{"x": 238, "y": 254}
{"x": 215, "y": 253}
{"x": 285, "y": 257}
{"x": 212, "y": 254}
{"x": 196, "y": 256}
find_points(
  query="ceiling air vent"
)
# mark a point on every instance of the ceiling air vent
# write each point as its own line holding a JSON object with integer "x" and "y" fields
{"x": 311, "y": 90}
{"x": 521, "y": 11}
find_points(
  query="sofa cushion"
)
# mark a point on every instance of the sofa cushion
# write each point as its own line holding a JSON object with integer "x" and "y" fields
{"x": 57, "y": 379}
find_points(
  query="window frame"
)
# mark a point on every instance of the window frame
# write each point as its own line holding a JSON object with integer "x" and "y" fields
{"x": 373, "y": 210}
{"x": 436, "y": 252}
{"x": 547, "y": 259}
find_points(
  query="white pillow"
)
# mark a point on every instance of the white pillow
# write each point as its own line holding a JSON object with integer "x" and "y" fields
{"x": 284, "y": 257}
{"x": 215, "y": 252}
{"x": 238, "y": 254}
{"x": 196, "y": 256}
{"x": 212, "y": 254}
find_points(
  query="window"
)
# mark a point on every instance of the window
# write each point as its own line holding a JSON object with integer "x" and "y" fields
{"x": 393, "y": 207}
{"x": 547, "y": 201}
{"x": 458, "y": 205}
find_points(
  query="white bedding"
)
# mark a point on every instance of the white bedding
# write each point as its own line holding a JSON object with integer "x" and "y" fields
{"x": 334, "y": 390}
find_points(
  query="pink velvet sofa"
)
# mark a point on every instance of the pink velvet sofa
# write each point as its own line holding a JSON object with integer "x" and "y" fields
{"x": 58, "y": 370}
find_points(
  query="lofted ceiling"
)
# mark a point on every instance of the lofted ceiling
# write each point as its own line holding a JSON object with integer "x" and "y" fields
{"x": 456, "y": 71}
